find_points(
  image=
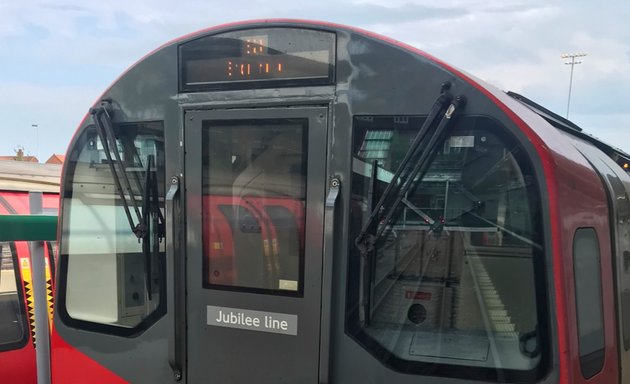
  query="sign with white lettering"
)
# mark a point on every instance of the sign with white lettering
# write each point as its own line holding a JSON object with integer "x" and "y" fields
{"x": 253, "y": 320}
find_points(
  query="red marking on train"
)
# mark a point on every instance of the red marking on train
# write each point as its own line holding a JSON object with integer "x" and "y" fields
{"x": 414, "y": 295}
{"x": 70, "y": 366}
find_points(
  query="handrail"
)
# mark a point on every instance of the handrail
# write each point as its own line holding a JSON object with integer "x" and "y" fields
{"x": 28, "y": 228}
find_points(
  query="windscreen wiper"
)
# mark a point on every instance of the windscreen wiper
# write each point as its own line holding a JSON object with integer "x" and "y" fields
{"x": 413, "y": 165}
{"x": 153, "y": 221}
{"x": 409, "y": 173}
{"x": 105, "y": 129}
{"x": 151, "y": 215}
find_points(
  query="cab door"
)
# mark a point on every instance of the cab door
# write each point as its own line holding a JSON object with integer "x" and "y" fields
{"x": 255, "y": 188}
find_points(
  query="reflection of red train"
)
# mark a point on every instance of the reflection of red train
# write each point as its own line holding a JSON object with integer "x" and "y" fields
{"x": 259, "y": 224}
{"x": 17, "y": 338}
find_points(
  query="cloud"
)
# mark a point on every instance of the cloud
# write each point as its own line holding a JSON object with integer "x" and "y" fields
{"x": 75, "y": 48}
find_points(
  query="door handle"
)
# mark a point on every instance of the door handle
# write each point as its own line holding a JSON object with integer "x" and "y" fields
{"x": 327, "y": 267}
{"x": 175, "y": 277}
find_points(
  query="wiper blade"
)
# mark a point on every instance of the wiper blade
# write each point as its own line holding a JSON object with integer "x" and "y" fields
{"x": 409, "y": 172}
{"x": 413, "y": 165}
{"x": 105, "y": 129}
{"x": 151, "y": 216}
{"x": 153, "y": 222}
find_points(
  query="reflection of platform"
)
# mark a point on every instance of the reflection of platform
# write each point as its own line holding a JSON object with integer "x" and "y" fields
{"x": 7, "y": 281}
{"x": 480, "y": 307}
{"x": 438, "y": 298}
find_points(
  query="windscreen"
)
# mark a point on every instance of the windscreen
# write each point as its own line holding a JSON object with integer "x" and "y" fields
{"x": 109, "y": 277}
{"x": 452, "y": 284}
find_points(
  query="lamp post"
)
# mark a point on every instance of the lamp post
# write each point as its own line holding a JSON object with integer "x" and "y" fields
{"x": 572, "y": 63}
{"x": 36, "y": 126}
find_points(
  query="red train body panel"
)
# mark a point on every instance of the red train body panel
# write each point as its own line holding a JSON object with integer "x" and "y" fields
{"x": 17, "y": 362}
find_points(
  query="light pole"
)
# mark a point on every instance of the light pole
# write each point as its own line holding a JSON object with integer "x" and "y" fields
{"x": 36, "y": 126}
{"x": 572, "y": 63}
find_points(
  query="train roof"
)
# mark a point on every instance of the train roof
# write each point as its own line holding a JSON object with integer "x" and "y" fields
{"x": 26, "y": 176}
{"x": 571, "y": 128}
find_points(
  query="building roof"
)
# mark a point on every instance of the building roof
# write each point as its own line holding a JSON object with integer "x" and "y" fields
{"x": 29, "y": 176}
{"x": 56, "y": 159}
{"x": 27, "y": 159}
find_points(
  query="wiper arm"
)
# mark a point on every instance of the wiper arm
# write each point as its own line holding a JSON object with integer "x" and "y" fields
{"x": 420, "y": 151}
{"x": 104, "y": 127}
{"x": 409, "y": 172}
{"x": 438, "y": 226}
{"x": 506, "y": 230}
{"x": 151, "y": 216}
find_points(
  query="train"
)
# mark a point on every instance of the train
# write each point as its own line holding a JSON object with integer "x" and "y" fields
{"x": 292, "y": 201}
{"x": 17, "y": 323}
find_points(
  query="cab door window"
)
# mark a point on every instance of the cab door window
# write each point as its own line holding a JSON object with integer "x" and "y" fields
{"x": 254, "y": 194}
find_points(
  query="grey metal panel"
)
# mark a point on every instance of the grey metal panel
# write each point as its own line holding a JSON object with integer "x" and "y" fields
{"x": 216, "y": 352}
{"x": 144, "y": 93}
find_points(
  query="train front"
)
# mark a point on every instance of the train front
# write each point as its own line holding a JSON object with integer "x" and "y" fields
{"x": 296, "y": 202}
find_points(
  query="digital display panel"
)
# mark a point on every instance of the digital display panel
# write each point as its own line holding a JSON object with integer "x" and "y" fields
{"x": 257, "y": 58}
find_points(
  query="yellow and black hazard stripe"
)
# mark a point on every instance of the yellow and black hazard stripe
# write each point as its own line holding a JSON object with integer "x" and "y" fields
{"x": 25, "y": 270}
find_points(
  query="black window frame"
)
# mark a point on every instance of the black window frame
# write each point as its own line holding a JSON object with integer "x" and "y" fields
{"x": 19, "y": 285}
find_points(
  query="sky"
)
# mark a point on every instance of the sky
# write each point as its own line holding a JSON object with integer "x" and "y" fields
{"x": 58, "y": 56}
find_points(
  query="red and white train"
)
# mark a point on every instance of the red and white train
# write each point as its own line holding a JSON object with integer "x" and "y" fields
{"x": 17, "y": 322}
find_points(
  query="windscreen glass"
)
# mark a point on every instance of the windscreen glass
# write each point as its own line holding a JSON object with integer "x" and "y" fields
{"x": 109, "y": 275}
{"x": 455, "y": 283}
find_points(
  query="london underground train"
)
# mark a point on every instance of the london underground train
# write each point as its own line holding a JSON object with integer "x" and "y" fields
{"x": 285, "y": 201}
{"x": 18, "y": 338}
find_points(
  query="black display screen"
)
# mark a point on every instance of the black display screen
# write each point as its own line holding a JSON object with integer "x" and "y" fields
{"x": 266, "y": 57}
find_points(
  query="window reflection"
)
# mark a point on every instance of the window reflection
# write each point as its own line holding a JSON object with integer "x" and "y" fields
{"x": 254, "y": 190}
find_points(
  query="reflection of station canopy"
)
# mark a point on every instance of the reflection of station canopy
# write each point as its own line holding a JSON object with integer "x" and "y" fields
{"x": 275, "y": 171}
{"x": 25, "y": 176}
